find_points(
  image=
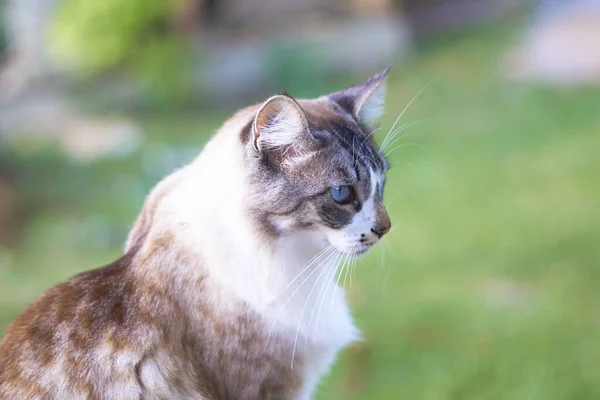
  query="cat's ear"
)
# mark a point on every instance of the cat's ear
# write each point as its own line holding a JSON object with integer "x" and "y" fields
{"x": 280, "y": 126}
{"x": 366, "y": 100}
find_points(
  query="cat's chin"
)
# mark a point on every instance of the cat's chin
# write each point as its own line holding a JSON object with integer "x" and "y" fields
{"x": 356, "y": 251}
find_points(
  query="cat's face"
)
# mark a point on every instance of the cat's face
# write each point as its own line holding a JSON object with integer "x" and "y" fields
{"x": 314, "y": 167}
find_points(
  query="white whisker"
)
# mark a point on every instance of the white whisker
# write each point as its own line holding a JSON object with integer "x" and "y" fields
{"x": 346, "y": 273}
{"x": 330, "y": 284}
{"x": 368, "y": 136}
{"x": 385, "y": 139}
{"x": 327, "y": 258}
{"x": 303, "y": 310}
{"x": 395, "y": 137}
{"x": 402, "y": 113}
{"x": 323, "y": 288}
{"x": 353, "y": 154}
{"x": 336, "y": 283}
{"x": 410, "y": 164}
{"x": 304, "y": 269}
{"x": 406, "y": 145}
{"x": 353, "y": 267}
{"x": 322, "y": 294}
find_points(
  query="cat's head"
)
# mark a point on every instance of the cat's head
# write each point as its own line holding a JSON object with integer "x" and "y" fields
{"x": 313, "y": 166}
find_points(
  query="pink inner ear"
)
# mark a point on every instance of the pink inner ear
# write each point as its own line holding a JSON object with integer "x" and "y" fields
{"x": 280, "y": 122}
{"x": 355, "y": 98}
{"x": 267, "y": 115}
{"x": 371, "y": 107}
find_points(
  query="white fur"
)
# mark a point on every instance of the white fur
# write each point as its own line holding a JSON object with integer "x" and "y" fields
{"x": 152, "y": 375}
{"x": 206, "y": 209}
{"x": 287, "y": 123}
{"x": 347, "y": 239}
{"x": 370, "y": 108}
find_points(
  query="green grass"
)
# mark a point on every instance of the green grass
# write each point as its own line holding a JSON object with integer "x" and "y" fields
{"x": 487, "y": 286}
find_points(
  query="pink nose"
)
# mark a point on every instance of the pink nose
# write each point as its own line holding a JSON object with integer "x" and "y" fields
{"x": 381, "y": 229}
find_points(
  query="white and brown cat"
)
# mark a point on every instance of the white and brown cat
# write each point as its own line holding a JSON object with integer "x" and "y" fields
{"x": 228, "y": 286}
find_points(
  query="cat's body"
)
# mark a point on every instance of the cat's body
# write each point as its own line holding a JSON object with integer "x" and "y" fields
{"x": 227, "y": 289}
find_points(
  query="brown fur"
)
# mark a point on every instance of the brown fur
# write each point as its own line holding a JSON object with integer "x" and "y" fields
{"x": 117, "y": 308}
{"x": 167, "y": 321}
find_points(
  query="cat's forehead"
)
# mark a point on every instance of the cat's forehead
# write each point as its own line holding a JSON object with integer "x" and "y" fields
{"x": 349, "y": 144}
{"x": 321, "y": 112}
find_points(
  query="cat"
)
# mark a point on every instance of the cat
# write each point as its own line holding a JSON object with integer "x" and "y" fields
{"x": 227, "y": 288}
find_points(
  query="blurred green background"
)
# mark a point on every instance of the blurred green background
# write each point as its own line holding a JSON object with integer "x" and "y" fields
{"x": 487, "y": 286}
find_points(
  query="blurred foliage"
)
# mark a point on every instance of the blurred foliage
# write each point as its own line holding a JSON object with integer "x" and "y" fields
{"x": 487, "y": 286}
{"x": 295, "y": 67}
{"x": 3, "y": 38}
{"x": 165, "y": 71}
{"x": 95, "y": 37}
{"x": 98, "y": 35}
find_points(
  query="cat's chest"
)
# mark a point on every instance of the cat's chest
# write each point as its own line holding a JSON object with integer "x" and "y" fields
{"x": 314, "y": 338}
{"x": 243, "y": 356}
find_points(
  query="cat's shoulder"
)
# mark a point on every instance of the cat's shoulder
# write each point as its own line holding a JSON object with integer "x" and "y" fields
{"x": 73, "y": 313}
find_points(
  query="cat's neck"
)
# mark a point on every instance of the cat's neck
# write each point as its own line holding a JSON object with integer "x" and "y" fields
{"x": 213, "y": 237}
{"x": 226, "y": 245}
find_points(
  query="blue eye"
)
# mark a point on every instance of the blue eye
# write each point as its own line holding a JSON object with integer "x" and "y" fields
{"x": 342, "y": 194}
